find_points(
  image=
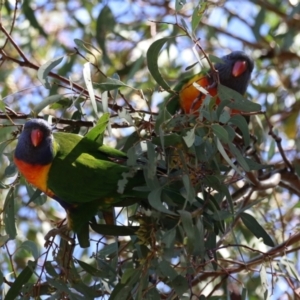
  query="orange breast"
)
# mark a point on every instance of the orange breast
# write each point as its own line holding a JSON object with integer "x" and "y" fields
{"x": 37, "y": 175}
{"x": 191, "y": 98}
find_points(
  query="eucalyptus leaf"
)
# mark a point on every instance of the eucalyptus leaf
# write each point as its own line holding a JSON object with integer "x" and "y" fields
{"x": 154, "y": 198}
{"x": 152, "y": 58}
{"x": 88, "y": 82}
{"x": 236, "y": 100}
{"x": 110, "y": 84}
{"x": 198, "y": 13}
{"x": 31, "y": 247}
{"x": 97, "y": 132}
{"x": 46, "y": 68}
{"x": 47, "y": 101}
{"x": 189, "y": 138}
{"x": 9, "y": 214}
{"x": 252, "y": 224}
{"x": 220, "y": 132}
{"x": 22, "y": 279}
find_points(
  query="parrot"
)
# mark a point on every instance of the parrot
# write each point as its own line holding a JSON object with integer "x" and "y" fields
{"x": 234, "y": 72}
{"x": 78, "y": 172}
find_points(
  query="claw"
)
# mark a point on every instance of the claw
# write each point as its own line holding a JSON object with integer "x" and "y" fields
{"x": 62, "y": 231}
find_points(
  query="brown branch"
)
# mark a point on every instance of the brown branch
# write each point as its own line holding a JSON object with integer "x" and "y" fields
{"x": 290, "y": 181}
{"x": 271, "y": 182}
{"x": 13, "y": 21}
{"x": 22, "y": 116}
{"x": 278, "y": 143}
{"x": 28, "y": 64}
{"x": 274, "y": 252}
{"x": 73, "y": 123}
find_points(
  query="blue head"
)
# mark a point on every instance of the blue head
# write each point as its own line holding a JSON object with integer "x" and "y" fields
{"x": 235, "y": 71}
{"x": 36, "y": 144}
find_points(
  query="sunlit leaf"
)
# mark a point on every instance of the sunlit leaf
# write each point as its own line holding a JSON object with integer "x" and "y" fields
{"x": 290, "y": 267}
{"x": 104, "y": 101}
{"x": 97, "y": 132}
{"x": 46, "y": 68}
{"x": 124, "y": 114}
{"x": 198, "y": 12}
{"x": 189, "y": 138}
{"x": 89, "y": 85}
{"x": 263, "y": 278}
{"x": 86, "y": 46}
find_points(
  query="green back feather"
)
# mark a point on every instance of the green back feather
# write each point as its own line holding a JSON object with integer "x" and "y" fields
{"x": 84, "y": 171}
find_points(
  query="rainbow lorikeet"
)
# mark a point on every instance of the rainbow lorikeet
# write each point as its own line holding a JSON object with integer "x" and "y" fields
{"x": 234, "y": 73}
{"x": 80, "y": 173}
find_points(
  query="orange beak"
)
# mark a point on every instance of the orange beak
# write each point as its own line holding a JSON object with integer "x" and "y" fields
{"x": 36, "y": 137}
{"x": 239, "y": 68}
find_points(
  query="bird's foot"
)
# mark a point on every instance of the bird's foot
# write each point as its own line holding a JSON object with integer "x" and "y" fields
{"x": 63, "y": 231}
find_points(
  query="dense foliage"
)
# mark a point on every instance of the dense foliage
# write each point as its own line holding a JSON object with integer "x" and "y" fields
{"x": 221, "y": 220}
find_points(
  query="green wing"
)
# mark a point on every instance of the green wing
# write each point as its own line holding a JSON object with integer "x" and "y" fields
{"x": 83, "y": 171}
